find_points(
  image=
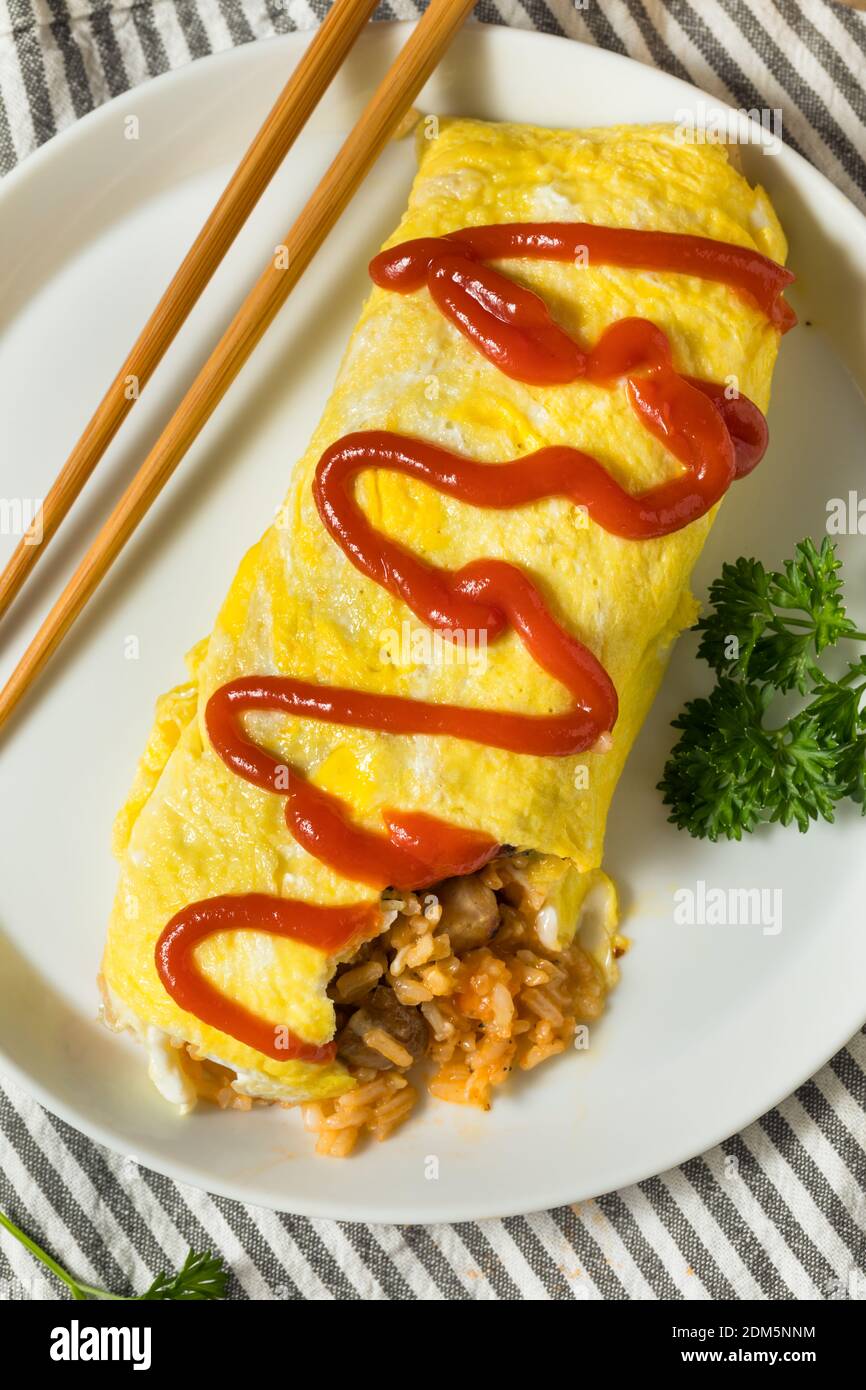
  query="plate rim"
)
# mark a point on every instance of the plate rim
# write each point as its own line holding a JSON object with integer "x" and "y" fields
{"x": 629, "y": 1172}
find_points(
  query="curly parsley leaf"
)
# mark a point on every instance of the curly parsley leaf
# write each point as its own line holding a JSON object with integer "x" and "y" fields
{"x": 741, "y": 599}
{"x": 730, "y": 771}
{"x": 837, "y": 707}
{"x": 771, "y": 626}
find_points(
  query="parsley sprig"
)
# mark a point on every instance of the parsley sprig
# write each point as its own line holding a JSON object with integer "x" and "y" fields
{"x": 202, "y": 1277}
{"x": 731, "y": 769}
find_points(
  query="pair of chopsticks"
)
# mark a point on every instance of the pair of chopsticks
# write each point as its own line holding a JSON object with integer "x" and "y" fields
{"x": 380, "y": 118}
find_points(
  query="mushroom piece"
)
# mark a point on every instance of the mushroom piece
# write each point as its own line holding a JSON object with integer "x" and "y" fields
{"x": 470, "y": 912}
{"x": 382, "y": 1010}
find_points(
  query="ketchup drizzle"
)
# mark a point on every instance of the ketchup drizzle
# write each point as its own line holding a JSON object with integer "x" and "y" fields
{"x": 715, "y": 438}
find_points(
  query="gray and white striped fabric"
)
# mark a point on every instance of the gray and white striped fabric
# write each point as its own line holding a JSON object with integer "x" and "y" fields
{"x": 777, "y": 1212}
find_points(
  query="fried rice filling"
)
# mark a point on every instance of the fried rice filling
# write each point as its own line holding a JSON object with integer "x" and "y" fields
{"x": 459, "y": 986}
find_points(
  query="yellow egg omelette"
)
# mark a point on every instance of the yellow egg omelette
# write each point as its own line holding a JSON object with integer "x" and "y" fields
{"x": 193, "y": 830}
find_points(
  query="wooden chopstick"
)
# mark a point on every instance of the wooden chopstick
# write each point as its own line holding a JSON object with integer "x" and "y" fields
{"x": 388, "y": 105}
{"x": 288, "y": 116}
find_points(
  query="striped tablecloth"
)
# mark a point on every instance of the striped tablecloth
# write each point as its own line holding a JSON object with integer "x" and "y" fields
{"x": 786, "y": 1220}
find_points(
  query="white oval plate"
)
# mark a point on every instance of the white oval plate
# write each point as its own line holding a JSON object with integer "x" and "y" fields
{"x": 710, "y": 1026}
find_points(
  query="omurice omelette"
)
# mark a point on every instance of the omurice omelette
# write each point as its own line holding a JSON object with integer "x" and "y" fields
{"x": 364, "y": 842}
